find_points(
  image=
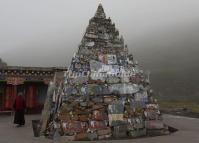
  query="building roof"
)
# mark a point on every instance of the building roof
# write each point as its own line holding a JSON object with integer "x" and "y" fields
{"x": 18, "y": 75}
{"x": 33, "y": 68}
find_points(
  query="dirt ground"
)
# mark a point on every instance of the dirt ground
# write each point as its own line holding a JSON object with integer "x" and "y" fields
{"x": 188, "y": 132}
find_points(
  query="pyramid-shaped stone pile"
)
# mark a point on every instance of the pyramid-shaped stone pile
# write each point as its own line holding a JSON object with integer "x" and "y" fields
{"x": 104, "y": 93}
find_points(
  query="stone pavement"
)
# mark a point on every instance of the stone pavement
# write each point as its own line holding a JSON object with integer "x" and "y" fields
{"x": 9, "y": 133}
{"x": 188, "y": 132}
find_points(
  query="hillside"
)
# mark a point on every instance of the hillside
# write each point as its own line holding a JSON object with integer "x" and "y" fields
{"x": 172, "y": 57}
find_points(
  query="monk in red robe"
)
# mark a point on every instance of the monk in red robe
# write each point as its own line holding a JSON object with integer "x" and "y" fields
{"x": 19, "y": 107}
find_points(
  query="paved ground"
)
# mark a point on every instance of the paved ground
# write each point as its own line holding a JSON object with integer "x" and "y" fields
{"x": 188, "y": 132}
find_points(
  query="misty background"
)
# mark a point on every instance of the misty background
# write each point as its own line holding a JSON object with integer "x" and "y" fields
{"x": 163, "y": 36}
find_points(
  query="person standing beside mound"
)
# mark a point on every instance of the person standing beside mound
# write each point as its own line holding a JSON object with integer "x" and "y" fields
{"x": 19, "y": 108}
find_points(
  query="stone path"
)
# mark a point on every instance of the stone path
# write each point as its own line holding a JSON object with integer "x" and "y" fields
{"x": 188, "y": 132}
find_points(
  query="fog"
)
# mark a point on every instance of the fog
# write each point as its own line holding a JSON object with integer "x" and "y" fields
{"x": 47, "y": 32}
{"x": 163, "y": 36}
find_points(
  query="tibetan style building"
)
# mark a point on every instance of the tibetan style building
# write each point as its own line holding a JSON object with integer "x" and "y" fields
{"x": 32, "y": 81}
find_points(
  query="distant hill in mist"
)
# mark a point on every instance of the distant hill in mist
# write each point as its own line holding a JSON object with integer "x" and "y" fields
{"x": 2, "y": 63}
{"x": 172, "y": 56}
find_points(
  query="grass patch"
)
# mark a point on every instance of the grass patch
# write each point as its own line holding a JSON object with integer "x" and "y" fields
{"x": 190, "y": 105}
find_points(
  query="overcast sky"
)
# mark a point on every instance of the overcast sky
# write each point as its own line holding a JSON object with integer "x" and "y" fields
{"x": 47, "y": 32}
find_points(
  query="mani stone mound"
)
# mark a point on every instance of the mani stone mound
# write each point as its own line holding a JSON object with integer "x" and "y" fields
{"x": 104, "y": 94}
